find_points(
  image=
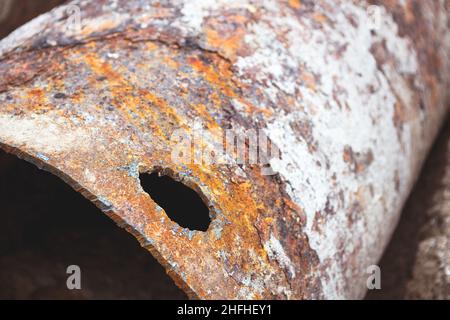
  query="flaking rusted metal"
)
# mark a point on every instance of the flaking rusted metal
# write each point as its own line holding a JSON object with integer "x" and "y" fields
{"x": 353, "y": 109}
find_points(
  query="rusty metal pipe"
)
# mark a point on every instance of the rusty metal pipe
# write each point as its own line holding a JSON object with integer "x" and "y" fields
{"x": 94, "y": 91}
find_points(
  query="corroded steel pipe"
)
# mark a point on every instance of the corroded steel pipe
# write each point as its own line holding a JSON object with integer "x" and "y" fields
{"x": 352, "y": 106}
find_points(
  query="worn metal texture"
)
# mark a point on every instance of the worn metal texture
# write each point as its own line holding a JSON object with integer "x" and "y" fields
{"x": 353, "y": 109}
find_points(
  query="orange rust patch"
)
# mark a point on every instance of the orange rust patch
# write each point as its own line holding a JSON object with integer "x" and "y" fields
{"x": 319, "y": 17}
{"x": 225, "y": 34}
{"x": 296, "y": 4}
{"x": 216, "y": 77}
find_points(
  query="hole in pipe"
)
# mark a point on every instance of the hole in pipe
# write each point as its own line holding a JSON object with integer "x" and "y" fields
{"x": 181, "y": 204}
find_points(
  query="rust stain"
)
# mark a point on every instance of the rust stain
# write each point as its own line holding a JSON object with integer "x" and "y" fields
{"x": 296, "y": 4}
{"x": 357, "y": 161}
{"x": 109, "y": 105}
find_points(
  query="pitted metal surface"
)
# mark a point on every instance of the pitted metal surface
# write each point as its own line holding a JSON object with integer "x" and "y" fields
{"x": 352, "y": 109}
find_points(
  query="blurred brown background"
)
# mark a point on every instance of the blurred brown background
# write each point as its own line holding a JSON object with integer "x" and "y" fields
{"x": 14, "y": 13}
